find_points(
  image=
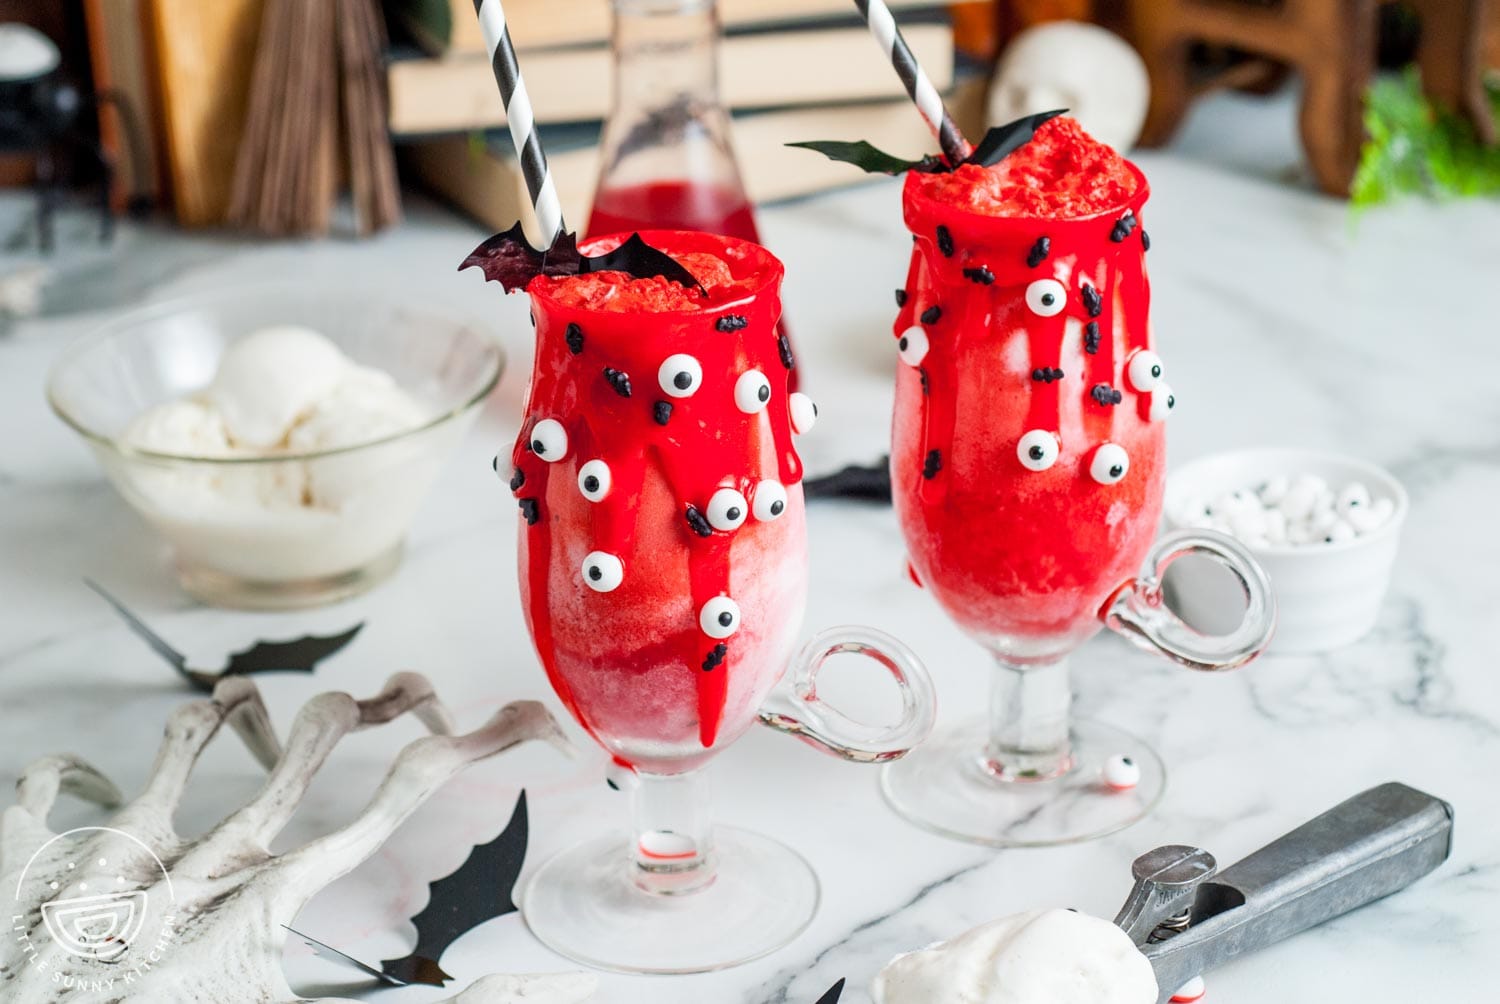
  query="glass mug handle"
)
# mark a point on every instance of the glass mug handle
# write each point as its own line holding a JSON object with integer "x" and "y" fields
{"x": 1138, "y": 611}
{"x": 801, "y": 713}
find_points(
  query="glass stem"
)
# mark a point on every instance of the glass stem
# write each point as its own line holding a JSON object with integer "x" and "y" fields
{"x": 1030, "y": 711}
{"x": 672, "y": 851}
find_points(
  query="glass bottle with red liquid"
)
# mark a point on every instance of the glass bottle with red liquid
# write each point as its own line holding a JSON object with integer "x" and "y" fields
{"x": 668, "y": 163}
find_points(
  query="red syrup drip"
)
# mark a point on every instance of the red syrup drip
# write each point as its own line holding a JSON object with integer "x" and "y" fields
{"x": 618, "y": 660}
{"x": 677, "y": 205}
{"x": 1014, "y": 555}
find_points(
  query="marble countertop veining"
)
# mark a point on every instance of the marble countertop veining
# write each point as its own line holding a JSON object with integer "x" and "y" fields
{"x": 1281, "y": 323}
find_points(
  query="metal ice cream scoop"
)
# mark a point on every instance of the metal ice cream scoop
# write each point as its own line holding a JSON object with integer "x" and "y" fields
{"x": 1187, "y": 917}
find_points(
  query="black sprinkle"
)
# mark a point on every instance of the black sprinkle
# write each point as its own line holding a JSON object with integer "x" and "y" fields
{"x": 1039, "y": 251}
{"x": 1105, "y": 394}
{"x": 530, "y": 510}
{"x": 784, "y": 346}
{"x": 575, "y": 339}
{"x": 981, "y": 275}
{"x": 1046, "y": 374}
{"x": 1124, "y": 228}
{"x": 715, "y": 658}
{"x": 619, "y": 381}
{"x": 926, "y": 386}
{"x": 495, "y": 464}
{"x": 1145, "y": 240}
{"x": 1091, "y": 338}
{"x": 517, "y": 479}
{"x": 945, "y": 241}
{"x": 932, "y": 314}
{"x": 1092, "y": 301}
{"x": 932, "y": 464}
{"x": 662, "y": 412}
{"x": 533, "y": 318}
{"x": 731, "y": 322}
{"x": 900, "y": 297}
{"x": 699, "y": 522}
{"x": 612, "y": 785}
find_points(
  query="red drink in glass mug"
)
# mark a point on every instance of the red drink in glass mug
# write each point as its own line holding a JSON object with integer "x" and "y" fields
{"x": 663, "y": 561}
{"x": 1028, "y": 454}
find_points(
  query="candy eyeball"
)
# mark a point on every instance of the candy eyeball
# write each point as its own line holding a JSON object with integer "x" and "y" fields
{"x": 1121, "y": 773}
{"x": 1110, "y": 464}
{"x": 1038, "y": 450}
{"x": 1046, "y": 297}
{"x": 751, "y": 392}
{"x": 1143, "y": 370}
{"x": 720, "y": 617}
{"x": 680, "y": 375}
{"x": 1162, "y": 402}
{"x": 549, "y": 440}
{"x": 727, "y": 509}
{"x": 603, "y": 572}
{"x": 804, "y": 413}
{"x": 913, "y": 345}
{"x": 770, "y": 500}
{"x": 594, "y": 480}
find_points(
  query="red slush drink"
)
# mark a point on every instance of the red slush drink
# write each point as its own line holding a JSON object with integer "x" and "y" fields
{"x": 663, "y": 550}
{"x": 1028, "y": 449}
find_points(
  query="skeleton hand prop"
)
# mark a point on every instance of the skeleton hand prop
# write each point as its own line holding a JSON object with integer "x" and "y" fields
{"x": 132, "y": 912}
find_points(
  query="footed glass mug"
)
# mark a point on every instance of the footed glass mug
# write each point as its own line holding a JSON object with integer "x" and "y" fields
{"x": 1028, "y": 465}
{"x": 663, "y": 561}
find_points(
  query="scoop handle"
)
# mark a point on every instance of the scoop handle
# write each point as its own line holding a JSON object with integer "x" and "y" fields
{"x": 1372, "y": 845}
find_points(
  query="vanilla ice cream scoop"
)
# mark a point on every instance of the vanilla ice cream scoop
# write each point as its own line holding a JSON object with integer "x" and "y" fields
{"x": 268, "y": 380}
{"x": 1041, "y": 957}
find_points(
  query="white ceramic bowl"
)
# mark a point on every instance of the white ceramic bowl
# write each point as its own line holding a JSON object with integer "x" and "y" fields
{"x": 1327, "y": 594}
{"x": 239, "y": 534}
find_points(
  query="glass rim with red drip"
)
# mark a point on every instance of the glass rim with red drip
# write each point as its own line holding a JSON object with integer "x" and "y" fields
{"x": 1033, "y": 591}
{"x": 679, "y": 894}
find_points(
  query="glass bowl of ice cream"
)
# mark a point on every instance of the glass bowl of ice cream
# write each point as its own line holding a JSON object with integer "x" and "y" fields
{"x": 280, "y": 436}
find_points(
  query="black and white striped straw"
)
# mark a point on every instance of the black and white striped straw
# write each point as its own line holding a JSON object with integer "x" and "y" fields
{"x": 520, "y": 118}
{"x": 929, "y": 102}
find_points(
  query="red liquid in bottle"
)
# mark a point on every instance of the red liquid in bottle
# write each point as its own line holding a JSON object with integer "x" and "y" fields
{"x": 676, "y": 205}
{"x": 672, "y": 205}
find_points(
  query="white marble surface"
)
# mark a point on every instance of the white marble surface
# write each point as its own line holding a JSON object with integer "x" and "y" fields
{"x": 1281, "y": 323}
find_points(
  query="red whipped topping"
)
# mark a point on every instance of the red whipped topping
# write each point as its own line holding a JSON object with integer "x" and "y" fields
{"x": 1062, "y": 173}
{"x": 618, "y": 292}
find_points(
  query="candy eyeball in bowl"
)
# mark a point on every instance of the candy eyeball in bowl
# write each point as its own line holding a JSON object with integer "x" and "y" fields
{"x": 281, "y": 436}
{"x": 1325, "y": 527}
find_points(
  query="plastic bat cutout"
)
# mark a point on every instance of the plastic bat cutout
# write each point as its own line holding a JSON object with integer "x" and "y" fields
{"x": 866, "y": 484}
{"x": 482, "y": 889}
{"x": 997, "y": 144}
{"x": 301, "y": 655}
{"x": 510, "y": 260}
{"x": 834, "y": 993}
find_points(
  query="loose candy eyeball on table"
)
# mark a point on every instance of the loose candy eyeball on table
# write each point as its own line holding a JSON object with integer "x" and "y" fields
{"x": 1191, "y": 991}
{"x": 1121, "y": 773}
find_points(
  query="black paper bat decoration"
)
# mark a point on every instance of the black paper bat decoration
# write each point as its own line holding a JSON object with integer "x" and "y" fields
{"x": 834, "y": 993}
{"x": 867, "y": 484}
{"x": 301, "y": 655}
{"x": 510, "y": 260}
{"x": 482, "y": 889}
{"x": 997, "y": 144}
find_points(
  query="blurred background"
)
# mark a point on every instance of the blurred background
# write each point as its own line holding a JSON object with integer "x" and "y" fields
{"x": 286, "y": 118}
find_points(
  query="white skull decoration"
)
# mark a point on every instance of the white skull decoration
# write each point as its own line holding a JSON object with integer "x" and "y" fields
{"x": 1088, "y": 70}
{"x": 131, "y": 912}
